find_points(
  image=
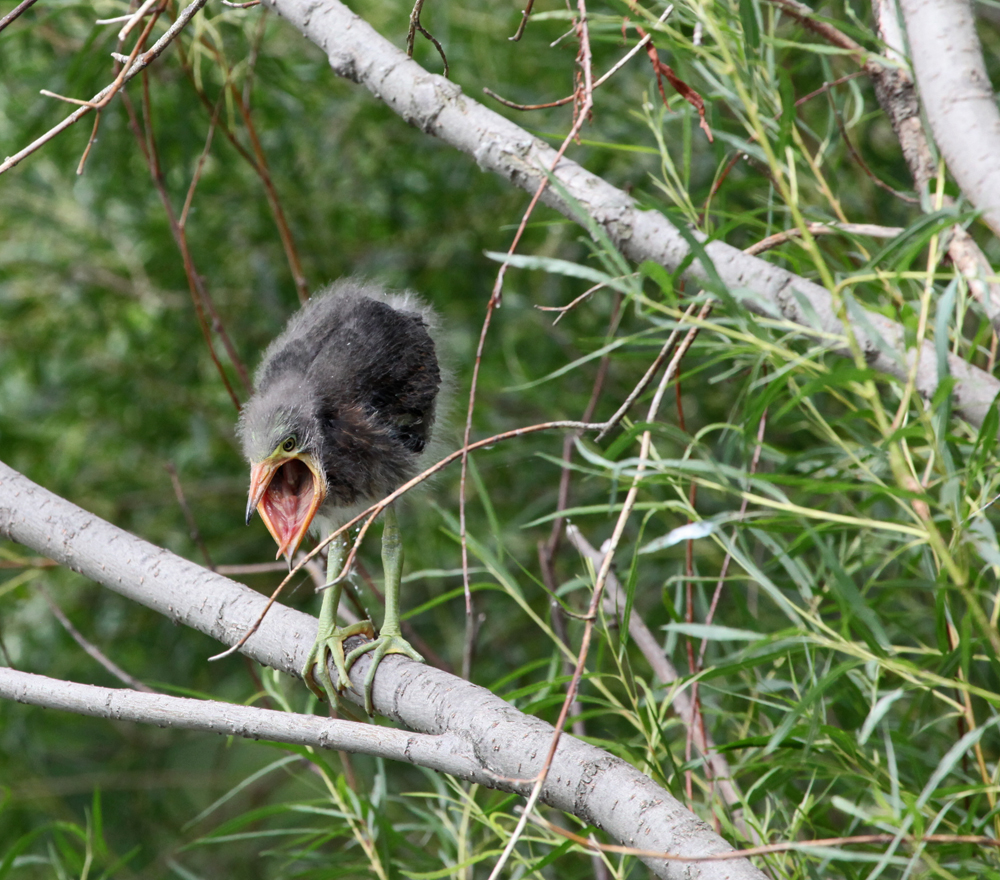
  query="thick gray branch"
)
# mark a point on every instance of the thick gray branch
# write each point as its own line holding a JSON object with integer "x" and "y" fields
{"x": 957, "y": 97}
{"x": 505, "y": 748}
{"x": 437, "y": 106}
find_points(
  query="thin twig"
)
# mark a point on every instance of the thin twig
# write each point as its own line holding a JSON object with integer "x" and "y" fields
{"x": 200, "y": 296}
{"x": 654, "y": 368}
{"x": 564, "y": 310}
{"x": 16, "y": 12}
{"x": 415, "y": 26}
{"x": 597, "y": 84}
{"x": 779, "y": 238}
{"x": 373, "y": 512}
{"x": 861, "y": 162}
{"x": 804, "y": 15}
{"x": 463, "y": 477}
{"x": 596, "y": 598}
{"x": 525, "y": 15}
{"x": 584, "y": 59}
{"x": 140, "y": 64}
{"x": 91, "y": 648}
{"x": 192, "y": 524}
{"x": 767, "y": 849}
{"x": 547, "y": 550}
{"x": 135, "y": 18}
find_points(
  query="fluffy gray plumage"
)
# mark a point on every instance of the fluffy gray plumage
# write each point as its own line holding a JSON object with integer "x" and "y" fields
{"x": 354, "y": 378}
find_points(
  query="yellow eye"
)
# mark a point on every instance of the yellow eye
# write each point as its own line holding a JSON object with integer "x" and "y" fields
{"x": 289, "y": 444}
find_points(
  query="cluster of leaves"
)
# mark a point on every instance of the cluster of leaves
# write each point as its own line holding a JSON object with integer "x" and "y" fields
{"x": 842, "y": 621}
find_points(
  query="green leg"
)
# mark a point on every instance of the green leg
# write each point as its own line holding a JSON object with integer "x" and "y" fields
{"x": 330, "y": 638}
{"x": 390, "y": 639}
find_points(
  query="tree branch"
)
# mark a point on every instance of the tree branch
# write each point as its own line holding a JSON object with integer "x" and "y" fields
{"x": 438, "y": 107}
{"x": 957, "y": 97}
{"x": 507, "y": 747}
{"x": 444, "y": 752}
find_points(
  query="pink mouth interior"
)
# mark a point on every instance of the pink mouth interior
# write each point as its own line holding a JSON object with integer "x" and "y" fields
{"x": 287, "y": 501}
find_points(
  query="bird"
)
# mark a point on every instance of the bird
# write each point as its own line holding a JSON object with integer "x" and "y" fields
{"x": 342, "y": 414}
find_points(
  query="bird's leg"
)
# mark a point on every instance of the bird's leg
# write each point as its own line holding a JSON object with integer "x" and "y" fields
{"x": 330, "y": 637}
{"x": 390, "y": 638}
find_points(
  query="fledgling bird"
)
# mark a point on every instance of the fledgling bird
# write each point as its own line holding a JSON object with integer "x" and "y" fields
{"x": 342, "y": 414}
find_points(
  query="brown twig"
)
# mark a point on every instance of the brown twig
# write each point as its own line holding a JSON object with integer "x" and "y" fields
{"x": 525, "y": 15}
{"x": 861, "y": 162}
{"x": 257, "y": 162}
{"x": 767, "y": 849}
{"x": 16, "y": 12}
{"x": 91, "y": 648}
{"x": 564, "y": 310}
{"x": 779, "y": 238}
{"x": 202, "y": 301}
{"x": 140, "y": 63}
{"x": 654, "y": 368}
{"x": 372, "y": 513}
{"x": 806, "y": 16}
{"x": 470, "y": 626}
{"x": 599, "y": 582}
{"x": 717, "y": 183}
{"x": 415, "y": 26}
{"x": 264, "y": 172}
{"x": 547, "y": 549}
{"x": 192, "y": 524}
{"x": 597, "y": 84}
{"x": 582, "y": 111}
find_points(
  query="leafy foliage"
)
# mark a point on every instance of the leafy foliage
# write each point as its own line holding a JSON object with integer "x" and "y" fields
{"x": 836, "y": 632}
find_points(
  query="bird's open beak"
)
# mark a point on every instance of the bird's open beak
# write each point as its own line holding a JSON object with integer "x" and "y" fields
{"x": 287, "y": 491}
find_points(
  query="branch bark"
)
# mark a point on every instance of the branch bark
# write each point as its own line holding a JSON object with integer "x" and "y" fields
{"x": 957, "y": 97}
{"x": 897, "y": 96}
{"x": 501, "y": 747}
{"x": 438, "y": 107}
{"x": 444, "y": 752}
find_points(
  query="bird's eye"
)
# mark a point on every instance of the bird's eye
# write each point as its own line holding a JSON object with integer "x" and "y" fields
{"x": 289, "y": 444}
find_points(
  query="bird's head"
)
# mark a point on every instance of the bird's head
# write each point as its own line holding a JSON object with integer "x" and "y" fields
{"x": 287, "y": 480}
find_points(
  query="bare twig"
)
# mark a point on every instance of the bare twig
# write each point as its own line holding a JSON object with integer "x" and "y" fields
{"x": 779, "y": 238}
{"x": 806, "y": 16}
{"x": 599, "y": 583}
{"x": 372, "y": 513}
{"x": 582, "y": 113}
{"x": 192, "y": 524}
{"x": 654, "y": 368}
{"x": 90, "y": 648}
{"x": 135, "y": 18}
{"x": 525, "y": 15}
{"x": 415, "y": 26}
{"x": 663, "y": 669}
{"x": 15, "y": 12}
{"x": 140, "y": 63}
{"x": 618, "y": 65}
{"x": 768, "y": 848}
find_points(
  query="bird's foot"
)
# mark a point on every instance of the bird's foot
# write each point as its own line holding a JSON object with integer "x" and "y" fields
{"x": 329, "y": 646}
{"x": 386, "y": 643}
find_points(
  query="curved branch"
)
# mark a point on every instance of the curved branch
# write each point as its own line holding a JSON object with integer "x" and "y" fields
{"x": 438, "y": 107}
{"x": 507, "y": 748}
{"x": 957, "y": 97}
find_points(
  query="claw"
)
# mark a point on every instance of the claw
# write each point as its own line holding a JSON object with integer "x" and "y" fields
{"x": 386, "y": 643}
{"x": 329, "y": 646}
